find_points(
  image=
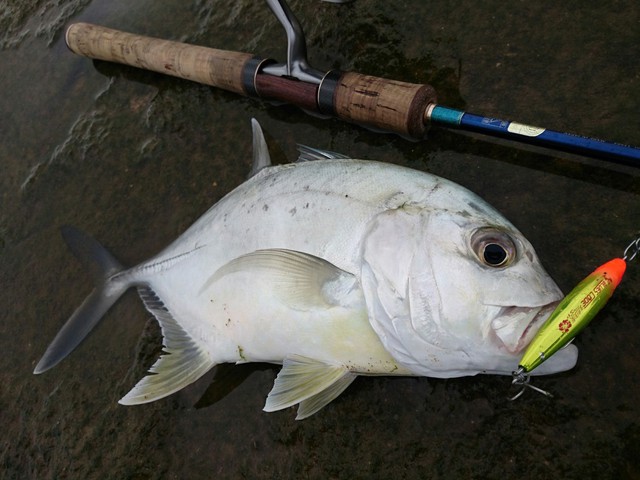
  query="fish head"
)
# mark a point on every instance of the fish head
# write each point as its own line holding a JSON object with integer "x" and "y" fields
{"x": 456, "y": 289}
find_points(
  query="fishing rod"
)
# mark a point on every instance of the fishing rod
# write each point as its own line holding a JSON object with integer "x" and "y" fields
{"x": 379, "y": 103}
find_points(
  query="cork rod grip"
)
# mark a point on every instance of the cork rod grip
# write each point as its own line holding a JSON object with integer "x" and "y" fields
{"x": 218, "y": 68}
{"x": 381, "y": 103}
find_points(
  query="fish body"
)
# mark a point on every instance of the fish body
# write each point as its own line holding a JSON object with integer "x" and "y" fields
{"x": 333, "y": 268}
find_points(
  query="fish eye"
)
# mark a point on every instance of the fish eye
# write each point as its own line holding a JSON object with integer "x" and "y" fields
{"x": 494, "y": 254}
{"x": 494, "y": 248}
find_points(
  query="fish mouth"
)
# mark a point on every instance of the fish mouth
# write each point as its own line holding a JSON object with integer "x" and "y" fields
{"x": 515, "y": 327}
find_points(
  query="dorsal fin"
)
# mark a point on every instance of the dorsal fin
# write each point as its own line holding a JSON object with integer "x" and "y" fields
{"x": 261, "y": 157}
{"x": 309, "y": 154}
{"x": 184, "y": 361}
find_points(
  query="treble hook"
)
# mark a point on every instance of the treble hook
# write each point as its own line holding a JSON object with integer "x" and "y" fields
{"x": 635, "y": 245}
{"x": 523, "y": 379}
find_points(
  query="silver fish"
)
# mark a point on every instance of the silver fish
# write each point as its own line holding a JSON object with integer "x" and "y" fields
{"x": 333, "y": 268}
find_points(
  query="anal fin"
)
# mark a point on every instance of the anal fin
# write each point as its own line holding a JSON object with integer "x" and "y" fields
{"x": 184, "y": 361}
{"x": 310, "y": 383}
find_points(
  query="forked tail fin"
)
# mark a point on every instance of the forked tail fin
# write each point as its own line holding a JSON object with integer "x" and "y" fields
{"x": 109, "y": 287}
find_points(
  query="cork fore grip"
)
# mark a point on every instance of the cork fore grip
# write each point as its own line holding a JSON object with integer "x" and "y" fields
{"x": 218, "y": 68}
{"x": 382, "y": 103}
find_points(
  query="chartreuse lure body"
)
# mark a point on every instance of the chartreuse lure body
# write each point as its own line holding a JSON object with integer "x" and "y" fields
{"x": 574, "y": 313}
{"x": 571, "y": 315}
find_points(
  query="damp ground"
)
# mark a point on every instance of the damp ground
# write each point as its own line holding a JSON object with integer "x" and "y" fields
{"x": 134, "y": 158}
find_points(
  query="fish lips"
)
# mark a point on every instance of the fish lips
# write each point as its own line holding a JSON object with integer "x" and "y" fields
{"x": 515, "y": 327}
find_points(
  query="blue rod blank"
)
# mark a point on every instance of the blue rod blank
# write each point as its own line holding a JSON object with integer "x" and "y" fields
{"x": 452, "y": 118}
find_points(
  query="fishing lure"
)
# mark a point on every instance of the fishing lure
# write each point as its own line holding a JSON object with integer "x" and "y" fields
{"x": 571, "y": 315}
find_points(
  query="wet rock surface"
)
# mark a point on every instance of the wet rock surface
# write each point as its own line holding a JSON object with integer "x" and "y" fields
{"x": 134, "y": 158}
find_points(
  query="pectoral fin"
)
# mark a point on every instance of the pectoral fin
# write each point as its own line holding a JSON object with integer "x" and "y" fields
{"x": 308, "y": 382}
{"x": 300, "y": 280}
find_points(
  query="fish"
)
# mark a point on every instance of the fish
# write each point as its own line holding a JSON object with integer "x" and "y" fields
{"x": 334, "y": 268}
